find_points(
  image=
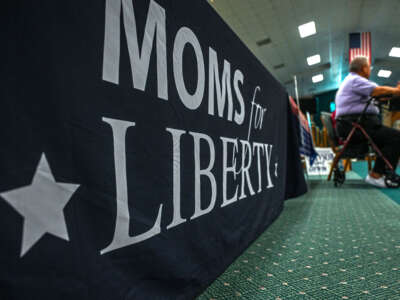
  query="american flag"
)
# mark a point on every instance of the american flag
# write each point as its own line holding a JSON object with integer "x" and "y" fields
{"x": 360, "y": 45}
{"x": 305, "y": 137}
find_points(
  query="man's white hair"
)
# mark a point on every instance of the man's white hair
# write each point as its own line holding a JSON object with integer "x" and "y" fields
{"x": 358, "y": 63}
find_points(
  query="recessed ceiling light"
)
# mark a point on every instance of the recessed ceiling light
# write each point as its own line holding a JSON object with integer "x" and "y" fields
{"x": 317, "y": 78}
{"x": 307, "y": 29}
{"x": 263, "y": 42}
{"x": 312, "y": 60}
{"x": 280, "y": 66}
{"x": 395, "y": 52}
{"x": 384, "y": 73}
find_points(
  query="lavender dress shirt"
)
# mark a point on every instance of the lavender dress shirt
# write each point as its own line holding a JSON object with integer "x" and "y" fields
{"x": 353, "y": 94}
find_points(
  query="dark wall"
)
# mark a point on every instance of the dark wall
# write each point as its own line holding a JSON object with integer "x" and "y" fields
{"x": 323, "y": 104}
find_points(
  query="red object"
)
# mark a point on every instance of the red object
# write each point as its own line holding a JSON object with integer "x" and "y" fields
{"x": 333, "y": 115}
{"x": 297, "y": 112}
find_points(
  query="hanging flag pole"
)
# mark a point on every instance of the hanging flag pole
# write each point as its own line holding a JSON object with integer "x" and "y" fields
{"x": 298, "y": 106}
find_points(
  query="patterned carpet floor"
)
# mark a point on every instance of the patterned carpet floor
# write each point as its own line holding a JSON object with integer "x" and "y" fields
{"x": 332, "y": 243}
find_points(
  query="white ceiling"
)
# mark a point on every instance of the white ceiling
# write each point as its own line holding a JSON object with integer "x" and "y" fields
{"x": 255, "y": 20}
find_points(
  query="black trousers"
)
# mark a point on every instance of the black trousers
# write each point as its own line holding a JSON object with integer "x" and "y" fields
{"x": 387, "y": 139}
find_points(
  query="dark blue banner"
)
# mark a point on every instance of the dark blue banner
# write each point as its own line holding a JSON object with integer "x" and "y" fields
{"x": 143, "y": 148}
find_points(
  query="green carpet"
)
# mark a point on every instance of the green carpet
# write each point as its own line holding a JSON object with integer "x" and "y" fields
{"x": 328, "y": 244}
{"x": 361, "y": 169}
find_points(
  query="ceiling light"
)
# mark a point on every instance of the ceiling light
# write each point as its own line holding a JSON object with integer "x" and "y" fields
{"x": 280, "y": 66}
{"x": 384, "y": 73}
{"x": 312, "y": 60}
{"x": 317, "y": 78}
{"x": 395, "y": 52}
{"x": 263, "y": 42}
{"x": 307, "y": 29}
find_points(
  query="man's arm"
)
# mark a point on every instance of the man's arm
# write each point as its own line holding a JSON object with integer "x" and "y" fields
{"x": 383, "y": 90}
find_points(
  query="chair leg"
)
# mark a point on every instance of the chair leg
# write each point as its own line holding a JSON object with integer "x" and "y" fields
{"x": 347, "y": 165}
{"x": 369, "y": 159}
{"x": 334, "y": 164}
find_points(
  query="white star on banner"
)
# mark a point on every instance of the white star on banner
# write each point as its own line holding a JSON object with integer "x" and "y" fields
{"x": 41, "y": 204}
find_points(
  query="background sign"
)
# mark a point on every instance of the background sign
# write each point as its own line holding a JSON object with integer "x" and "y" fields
{"x": 143, "y": 149}
{"x": 322, "y": 163}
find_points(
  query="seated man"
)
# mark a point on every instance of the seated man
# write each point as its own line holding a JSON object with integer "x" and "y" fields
{"x": 350, "y": 102}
